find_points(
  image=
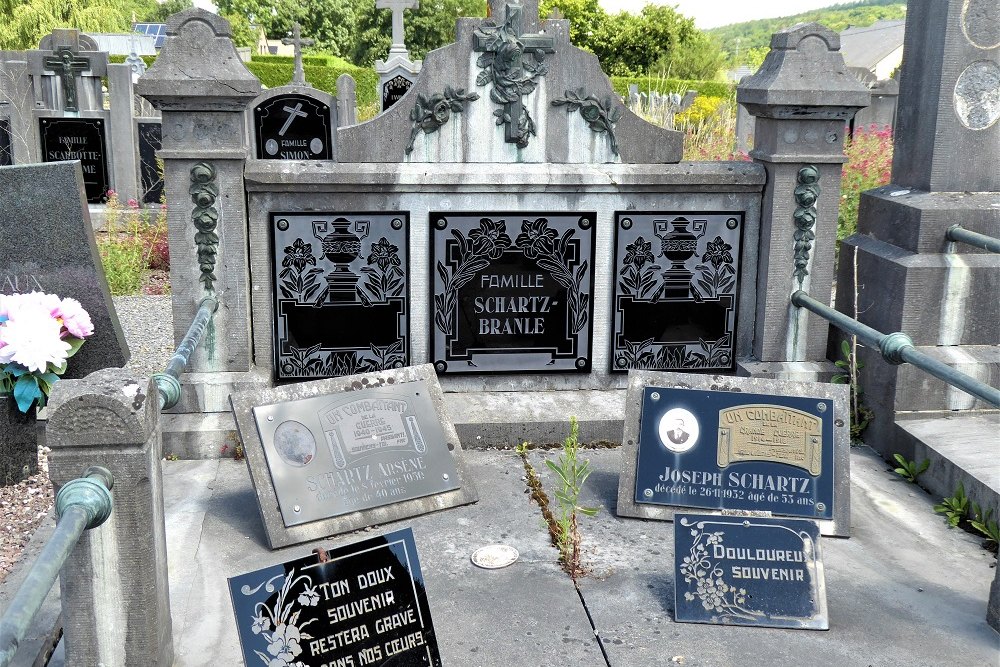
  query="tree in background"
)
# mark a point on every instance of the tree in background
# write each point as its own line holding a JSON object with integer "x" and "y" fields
{"x": 25, "y": 22}
{"x": 429, "y": 27}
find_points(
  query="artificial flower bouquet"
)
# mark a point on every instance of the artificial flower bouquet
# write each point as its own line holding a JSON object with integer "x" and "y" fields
{"x": 38, "y": 334}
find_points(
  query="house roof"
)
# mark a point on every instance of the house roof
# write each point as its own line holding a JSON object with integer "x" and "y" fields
{"x": 124, "y": 43}
{"x": 868, "y": 46}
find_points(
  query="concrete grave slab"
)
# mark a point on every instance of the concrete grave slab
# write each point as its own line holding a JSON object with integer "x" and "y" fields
{"x": 276, "y": 471}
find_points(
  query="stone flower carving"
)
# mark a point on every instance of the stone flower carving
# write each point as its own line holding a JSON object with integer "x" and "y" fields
{"x": 428, "y": 115}
{"x": 601, "y": 117}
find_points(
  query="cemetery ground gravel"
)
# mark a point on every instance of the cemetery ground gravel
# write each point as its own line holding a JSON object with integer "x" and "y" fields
{"x": 147, "y": 323}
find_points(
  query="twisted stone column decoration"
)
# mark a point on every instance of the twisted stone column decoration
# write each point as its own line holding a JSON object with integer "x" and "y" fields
{"x": 806, "y": 194}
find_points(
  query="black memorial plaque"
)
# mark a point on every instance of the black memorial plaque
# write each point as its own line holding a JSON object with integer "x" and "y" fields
{"x": 394, "y": 89}
{"x": 733, "y": 570}
{"x": 150, "y": 174}
{"x": 340, "y": 293}
{"x": 293, "y": 127}
{"x": 360, "y": 604}
{"x": 336, "y": 454}
{"x": 676, "y": 290}
{"x": 512, "y": 292}
{"x": 78, "y": 139}
{"x": 6, "y": 149}
{"x": 733, "y": 450}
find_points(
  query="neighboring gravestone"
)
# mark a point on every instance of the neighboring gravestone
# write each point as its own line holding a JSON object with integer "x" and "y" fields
{"x": 738, "y": 570}
{"x": 47, "y": 244}
{"x": 342, "y": 308}
{"x": 512, "y": 292}
{"x": 359, "y": 604}
{"x": 347, "y": 100}
{"x": 17, "y": 96}
{"x": 336, "y": 455}
{"x": 150, "y": 134}
{"x": 724, "y": 443}
{"x": 397, "y": 72}
{"x": 6, "y": 136}
{"x": 676, "y": 290}
{"x": 82, "y": 139}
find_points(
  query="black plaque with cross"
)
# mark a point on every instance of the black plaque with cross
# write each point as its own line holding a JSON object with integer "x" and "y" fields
{"x": 67, "y": 66}
{"x": 513, "y": 63}
{"x": 293, "y": 127}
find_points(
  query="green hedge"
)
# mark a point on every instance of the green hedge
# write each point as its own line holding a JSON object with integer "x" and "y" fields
{"x": 317, "y": 61}
{"x": 149, "y": 60}
{"x": 647, "y": 84}
{"x": 273, "y": 75}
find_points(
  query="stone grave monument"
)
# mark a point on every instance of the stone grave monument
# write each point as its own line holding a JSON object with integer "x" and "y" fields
{"x": 294, "y": 122}
{"x": 397, "y": 72}
{"x": 17, "y": 107}
{"x": 69, "y": 106}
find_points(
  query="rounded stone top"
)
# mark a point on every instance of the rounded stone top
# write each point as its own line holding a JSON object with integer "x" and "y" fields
{"x": 804, "y": 76}
{"x": 176, "y": 23}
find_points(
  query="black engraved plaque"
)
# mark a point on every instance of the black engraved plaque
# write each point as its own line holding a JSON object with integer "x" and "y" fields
{"x": 340, "y": 453}
{"x": 512, "y": 292}
{"x": 340, "y": 293}
{"x": 676, "y": 290}
{"x": 733, "y": 570}
{"x": 393, "y": 90}
{"x": 150, "y": 175}
{"x": 361, "y": 604}
{"x": 6, "y": 150}
{"x": 78, "y": 139}
{"x": 293, "y": 127}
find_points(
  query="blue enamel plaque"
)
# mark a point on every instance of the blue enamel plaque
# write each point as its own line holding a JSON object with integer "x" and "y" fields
{"x": 749, "y": 571}
{"x": 732, "y": 450}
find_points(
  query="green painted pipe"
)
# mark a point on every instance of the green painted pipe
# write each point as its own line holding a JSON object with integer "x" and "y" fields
{"x": 81, "y": 504}
{"x": 897, "y": 348}
{"x": 168, "y": 382}
{"x": 960, "y": 233}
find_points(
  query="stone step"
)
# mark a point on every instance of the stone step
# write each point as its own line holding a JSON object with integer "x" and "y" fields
{"x": 962, "y": 448}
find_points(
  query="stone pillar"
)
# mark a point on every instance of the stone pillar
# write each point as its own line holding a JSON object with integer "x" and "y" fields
{"x": 802, "y": 98}
{"x": 124, "y": 168}
{"x": 347, "y": 100}
{"x": 900, "y": 272}
{"x": 202, "y": 89}
{"x": 115, "y": 597}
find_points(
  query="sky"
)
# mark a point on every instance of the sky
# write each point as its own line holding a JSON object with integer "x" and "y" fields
{"x": 713, "y": 13}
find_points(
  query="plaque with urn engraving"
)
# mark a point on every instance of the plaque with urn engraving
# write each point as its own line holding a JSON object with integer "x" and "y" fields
{"x": 676, "y": 290}
{"x": 340, "y": 293}
{"x": 357, "y": 604}
{"x": 512, "y": 292}
{"x": 733, "y": 450}
{"x": 293, "y": 127}
{"x": 78, "y": 139}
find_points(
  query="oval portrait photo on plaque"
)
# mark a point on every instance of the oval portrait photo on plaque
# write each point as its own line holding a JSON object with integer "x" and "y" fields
{"x": 678, "y": 430}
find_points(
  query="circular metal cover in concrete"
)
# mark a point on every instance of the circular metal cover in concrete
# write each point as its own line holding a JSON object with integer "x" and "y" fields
{"x": 494, "y": 556}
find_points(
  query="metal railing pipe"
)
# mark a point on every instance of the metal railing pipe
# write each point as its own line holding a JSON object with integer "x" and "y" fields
{"x": 81, "y": 504}
{"x": 168, "y": 382}
{"x": 897, "y": 348}
{"x": 963, "y": 235}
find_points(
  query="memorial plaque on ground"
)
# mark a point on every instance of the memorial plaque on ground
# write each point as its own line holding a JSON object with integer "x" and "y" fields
{"x": 78, "y": 139}
{"x": 293, "y": 127}
{"x": 340, "y": 293}
{"x": 733, "y": 570}
{"x": 512, "y": 291}
{"x": 6, "y": 148}
{"x": 359, "y": 604}
{"x": 335, "y": 455}
{"x": 767, "y": 446}
{"x": 150, "y": 174}
{"x": 394, "y": 89}
{"x": 676, "y": 290}
{"x": 47, "y": 244}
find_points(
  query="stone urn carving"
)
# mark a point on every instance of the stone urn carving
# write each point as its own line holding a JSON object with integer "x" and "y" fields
{"x": 341, "y": 246}
{"x": 678, "y": 244}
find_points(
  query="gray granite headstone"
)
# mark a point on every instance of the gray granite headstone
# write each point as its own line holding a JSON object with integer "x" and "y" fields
{"x": 47, "y": 244}
{"x": 336, "y": 455}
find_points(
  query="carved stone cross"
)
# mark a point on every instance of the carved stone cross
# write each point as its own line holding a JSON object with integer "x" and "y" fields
{"x": 293, "y": 113}
{"x": 297, "y": 41}
{"x": 513, "y": 62}
{"x": 397, "y": 7}
{"x": 67, "y": 66}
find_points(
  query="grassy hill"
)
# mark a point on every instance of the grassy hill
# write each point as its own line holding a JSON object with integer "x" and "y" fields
{"x": 755, "y": 35}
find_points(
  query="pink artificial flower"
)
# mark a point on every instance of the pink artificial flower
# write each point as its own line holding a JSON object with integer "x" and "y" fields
{"x": 132, "y": 203}
{"x": 111, "y": 193}
{"x": 31, "y": 338}
{"x": 75, "y": 319}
